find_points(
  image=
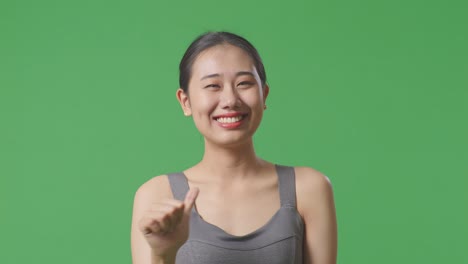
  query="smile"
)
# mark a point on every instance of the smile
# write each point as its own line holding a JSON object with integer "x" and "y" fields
{"x": 228, "y": 120}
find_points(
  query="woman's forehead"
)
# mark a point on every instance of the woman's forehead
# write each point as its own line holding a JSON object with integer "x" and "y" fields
{"x": 222, "y": 59}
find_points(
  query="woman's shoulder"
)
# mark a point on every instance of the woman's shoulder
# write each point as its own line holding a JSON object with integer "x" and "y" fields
{"x": 309, "y": 177}
{"x": 156, "y": 188}
{"x": 313, "y": 189}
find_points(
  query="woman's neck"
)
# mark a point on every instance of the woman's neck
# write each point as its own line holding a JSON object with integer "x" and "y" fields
{"x": 230, "y": 164}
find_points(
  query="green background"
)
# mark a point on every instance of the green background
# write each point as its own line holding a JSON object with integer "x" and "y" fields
{"x": 372, "y": 93}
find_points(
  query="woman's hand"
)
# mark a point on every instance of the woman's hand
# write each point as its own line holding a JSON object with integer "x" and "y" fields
{"x": 166, "y": 225}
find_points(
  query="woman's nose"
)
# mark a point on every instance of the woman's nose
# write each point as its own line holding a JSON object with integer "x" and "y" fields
{"x": 229, "y": 97}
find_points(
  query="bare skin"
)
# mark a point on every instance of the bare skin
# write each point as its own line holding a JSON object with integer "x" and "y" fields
{"x": 231, "y": 183}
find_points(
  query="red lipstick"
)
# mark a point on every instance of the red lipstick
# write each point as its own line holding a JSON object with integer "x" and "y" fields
{"x": 229, "y": 115}
{"x": 230, "y": 125}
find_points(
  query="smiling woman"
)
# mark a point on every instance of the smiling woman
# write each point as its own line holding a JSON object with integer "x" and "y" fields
{"x": 233, "y": 206}
{"x": 224, "y": 86}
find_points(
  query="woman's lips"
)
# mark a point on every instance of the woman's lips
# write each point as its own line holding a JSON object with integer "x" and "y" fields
{"x": 230, "y": 120}
{"x": 232, "y": 114}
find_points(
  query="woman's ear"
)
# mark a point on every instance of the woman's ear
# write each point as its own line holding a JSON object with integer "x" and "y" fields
{"x": 266, "y": 91}
{"x": 184, "y": 101}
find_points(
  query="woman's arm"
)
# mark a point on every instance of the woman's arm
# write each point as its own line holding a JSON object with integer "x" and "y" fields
{"x": 316, "y": 205}
{"x": 160, "y": 224}
{"x": 156, "y": 189}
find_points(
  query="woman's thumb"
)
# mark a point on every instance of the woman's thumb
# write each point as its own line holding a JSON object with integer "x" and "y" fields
{"x": 190, "y": 198}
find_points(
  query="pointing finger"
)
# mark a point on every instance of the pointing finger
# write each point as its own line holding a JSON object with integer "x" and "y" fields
{"x": 190, "y": 198}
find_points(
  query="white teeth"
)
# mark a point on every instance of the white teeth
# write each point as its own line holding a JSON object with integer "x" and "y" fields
{"x": 229, "y": 119}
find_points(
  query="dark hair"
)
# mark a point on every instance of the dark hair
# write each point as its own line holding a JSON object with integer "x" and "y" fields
{"x": 210, "y": 39}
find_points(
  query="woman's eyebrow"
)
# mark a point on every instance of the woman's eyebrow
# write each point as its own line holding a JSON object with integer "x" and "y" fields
{"x": 210, "y": 76}
{"x": 237, "y": 74}
{"x": 245, "y": 73}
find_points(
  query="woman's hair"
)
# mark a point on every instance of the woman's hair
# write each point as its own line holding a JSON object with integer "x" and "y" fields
{"x": 210, "y": 39}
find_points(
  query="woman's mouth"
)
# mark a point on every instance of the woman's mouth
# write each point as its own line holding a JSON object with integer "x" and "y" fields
{"x": 230, "y": 121}
{"x": 227, "y": 120}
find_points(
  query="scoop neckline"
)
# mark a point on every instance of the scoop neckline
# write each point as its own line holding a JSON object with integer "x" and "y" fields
{"x": 250, "y": 234}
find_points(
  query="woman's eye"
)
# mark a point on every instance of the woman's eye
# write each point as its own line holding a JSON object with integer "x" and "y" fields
{"x": 212, "y": 86}
{"x": 245, "y": 83}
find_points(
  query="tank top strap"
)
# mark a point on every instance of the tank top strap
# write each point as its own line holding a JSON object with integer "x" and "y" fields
{"x": 287, "y": 185}
{"x": 179, "y": 185}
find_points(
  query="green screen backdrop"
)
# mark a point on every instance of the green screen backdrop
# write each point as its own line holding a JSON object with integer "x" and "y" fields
{"x": 374, "y": 94}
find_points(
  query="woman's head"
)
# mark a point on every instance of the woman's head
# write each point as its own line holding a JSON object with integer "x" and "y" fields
{"x": 223, "y": 86}
{"x": 211, "y": 39}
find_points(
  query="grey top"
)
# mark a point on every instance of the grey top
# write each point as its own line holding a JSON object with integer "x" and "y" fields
{"x": 279, "y": 241}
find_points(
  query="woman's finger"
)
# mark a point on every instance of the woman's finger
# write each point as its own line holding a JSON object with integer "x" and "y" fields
{"x": 167, "y": 203}
{"x": 190, "y": 198}
{"x": 157, "y": 221}
{"x": 149, "y": 225}
{"x": 176, "y": 217}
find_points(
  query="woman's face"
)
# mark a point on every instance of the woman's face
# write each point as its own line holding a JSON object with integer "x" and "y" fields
{"x": 225, "y": 97}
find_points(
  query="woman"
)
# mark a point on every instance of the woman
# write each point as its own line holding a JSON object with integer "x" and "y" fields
{"x": 239, "y": 207}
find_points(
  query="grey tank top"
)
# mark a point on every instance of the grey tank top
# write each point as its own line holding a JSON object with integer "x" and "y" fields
{"x": 279, "y": 241}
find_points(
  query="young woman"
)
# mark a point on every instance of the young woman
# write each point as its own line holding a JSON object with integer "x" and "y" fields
{"x": 233, "y": 206}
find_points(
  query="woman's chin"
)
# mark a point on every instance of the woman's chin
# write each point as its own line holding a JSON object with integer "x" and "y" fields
{"x": 231, "y": 140}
